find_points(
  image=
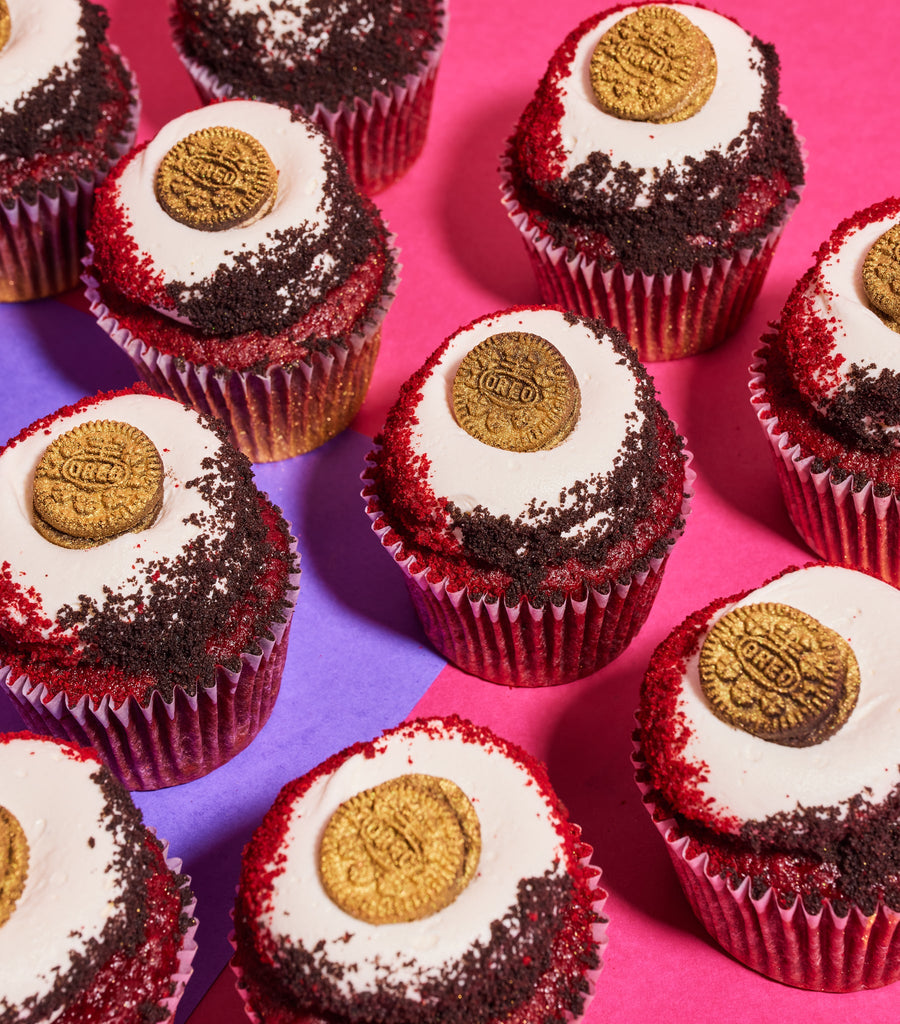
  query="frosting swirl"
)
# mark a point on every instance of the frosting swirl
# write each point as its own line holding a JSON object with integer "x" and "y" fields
{"x": 525, "y": 512}
{"x": 141, "y": 608}
{"x": 415, "y": 970}
{"x": 843, "y": 356}
{"x": 314, "y": 236}
{"x": 84, "y": 883}
{"x": 658, "y": 196}
{"x": 731, "y": 780}
{"x": 62, "y": 88}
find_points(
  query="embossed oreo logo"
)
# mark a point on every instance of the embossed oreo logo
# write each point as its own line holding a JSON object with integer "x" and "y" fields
{"x": 503, "y": 384}
{"x": 766, "y": 665}
{"x": 392, "y": 840}
{"x": 95, "y": 470}
{"x": 216, "y": 178}
{"x": 93, "y": 482}
{"x": 779, "y": 674}
{"x": 515, "y": 391}
{"x": 400, "y": 851}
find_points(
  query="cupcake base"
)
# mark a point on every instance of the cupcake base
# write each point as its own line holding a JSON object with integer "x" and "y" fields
{"x": 856, "y": 528}
{"x": 822, "y": 952}
{"x": 525, "y": 645}
{"x": 664, "y": 316}
{"x": 165, "y": 744}
{"x": 270, "y": 415}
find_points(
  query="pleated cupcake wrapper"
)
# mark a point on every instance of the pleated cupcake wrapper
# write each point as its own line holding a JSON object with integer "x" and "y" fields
{"x": 822, "y": 952}
{"x": 599, "y": 930}
{"x": 42, "y": 242}
{"x": 380, "y": 138}
{"x": 859, "y": 529}
{"x": 664, "y": 316}
{"x": 165, "y": 742}
{"x": 524, "y": 645}
{"x": 274, "y": 415}
{"x": 185, "y": 956}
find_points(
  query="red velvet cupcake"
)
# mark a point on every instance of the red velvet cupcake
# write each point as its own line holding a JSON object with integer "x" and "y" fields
{"x": 238, "y": 267}
{"x": 655, "y": 200}
{"x": 364, "y": 70}
{"x": 825, "y": 387}
{"x": 530, "y": 487}
{"x": 146, "y": 588}
{"x": 97, "y": 925}
{"x": 431, "y": 874}
{"x": 766, "y": 752}
{"x": 68, "y": 110}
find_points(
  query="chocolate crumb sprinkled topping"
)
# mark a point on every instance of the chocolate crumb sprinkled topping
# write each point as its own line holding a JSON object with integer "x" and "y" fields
{"x": 95, "y": 482}
{"x": 216, "y": 178}
{"x": 400, "y": 851}
{"x": 881, "y": 277}
{"x": 779, "y": 674}
{"x": 5, "y": 24}
{"x": 653, "y": 65}
{"x": 516, "y": 391}
{"x": 13, "y": 863}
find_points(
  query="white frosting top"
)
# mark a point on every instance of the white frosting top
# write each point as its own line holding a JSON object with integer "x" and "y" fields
{"x": 751, "y": 778}
{"x": 518, "y": 841}
{"x": 55, "y": 576}
{"x": 176, "y": 252}
{"x": 471, "y": 473}
{"x": 585, "y": 128}
{"x": 44, "y": 34}
{"x": 72, "y": 876}
{"x": 839, "y": 296}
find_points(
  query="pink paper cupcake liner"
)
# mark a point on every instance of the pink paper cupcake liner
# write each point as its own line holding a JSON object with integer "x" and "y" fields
{"x": 664, "y": 316}
{"x": 168, "y": 743}
{"x": 282, "y": 412}
{"x": 524, "y": 645}
{"x": 185, "y": 956}
{"x": 599, "y": 932}
{"x": 379, "y": 139}
{"x": 822, "y": 952}
{"x": 42, "y": 242}
{"x": 859, "y": 529}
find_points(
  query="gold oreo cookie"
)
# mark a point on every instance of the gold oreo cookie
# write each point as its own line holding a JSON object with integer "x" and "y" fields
{"x": 400, "y": 851}
{"x": 216, "y": 178}
{"x": 881, "y": 276}
{"x": 13, "y": 863}
{"x": 96, "y": 481}
{"x": 779, "y": 674}
{"x": 653, "y": 65}
{"x": 516, "y": 391}
{"x": 5, "y": 24}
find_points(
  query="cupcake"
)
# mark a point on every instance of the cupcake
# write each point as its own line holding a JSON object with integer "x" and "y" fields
{"x": 767, "y": 751}
{"x": 652, "y": 173}
{"x": 364, "y": 70}
{"x": 146, "y": 589}
{"x": 95, "y": 923}
{"x": 238, "y": 267}
{"x": 68, "y": 111}
{"x": 825, "y": 386}
{"x": 431, "y": 874}
{"x": 530, "y": 486}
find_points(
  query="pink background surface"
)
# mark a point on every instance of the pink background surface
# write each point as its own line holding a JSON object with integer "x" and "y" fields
{"x": 461, "y": 259}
